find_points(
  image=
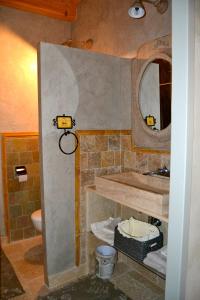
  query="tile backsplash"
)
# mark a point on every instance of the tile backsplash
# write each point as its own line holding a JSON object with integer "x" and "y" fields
{"x": 23, "y": 197}
{"x": 102, "y": 154}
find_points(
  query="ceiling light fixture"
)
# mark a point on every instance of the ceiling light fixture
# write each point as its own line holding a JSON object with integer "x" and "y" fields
{"x": 137, "y": 10}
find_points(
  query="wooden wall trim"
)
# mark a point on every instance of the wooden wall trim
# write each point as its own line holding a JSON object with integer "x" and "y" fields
{"x": 5, "y": 189}
{"x": 18, "y": 134}
{"x": 65, "y": 10}
{"x": 4, "y": 136}
{"x": 103, "y": 132}
{"x": 149, "y": 151}
{"x": 77, "y": 203}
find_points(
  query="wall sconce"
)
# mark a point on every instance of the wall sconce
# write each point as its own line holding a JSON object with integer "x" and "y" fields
{"x": 137, "y": 10}
{"x": 79, "y": 44}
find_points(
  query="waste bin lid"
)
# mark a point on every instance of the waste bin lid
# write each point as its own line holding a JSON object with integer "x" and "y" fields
{"x": 105, "y": 250}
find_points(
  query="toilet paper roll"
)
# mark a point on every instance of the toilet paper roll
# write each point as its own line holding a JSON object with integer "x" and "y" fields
{"x": 23, "y": 178}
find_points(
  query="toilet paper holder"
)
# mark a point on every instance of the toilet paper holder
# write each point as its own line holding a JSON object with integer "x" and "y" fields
{"x": 20, "y": 170}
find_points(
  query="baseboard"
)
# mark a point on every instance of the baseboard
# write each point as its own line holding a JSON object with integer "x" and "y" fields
{"x": 62, "y": 278}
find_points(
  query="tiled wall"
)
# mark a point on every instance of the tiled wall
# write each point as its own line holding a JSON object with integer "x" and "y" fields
{"x": 139, "y": 161}
{"x": 102, "y": 154}
{"x": 23, "y": 197}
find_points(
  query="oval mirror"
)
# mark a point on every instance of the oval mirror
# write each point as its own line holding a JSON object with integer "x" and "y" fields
{"x": 155, "y": 94}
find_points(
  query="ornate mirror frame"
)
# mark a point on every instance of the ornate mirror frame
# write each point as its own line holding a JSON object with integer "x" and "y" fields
{"x": 144, "y": 137}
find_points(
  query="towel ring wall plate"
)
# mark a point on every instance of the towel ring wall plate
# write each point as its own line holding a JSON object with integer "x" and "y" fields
{"x": 65, "y": 122}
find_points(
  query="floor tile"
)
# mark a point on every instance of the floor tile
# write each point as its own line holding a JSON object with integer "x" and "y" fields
{"x": 28, "y": 271}
{"x": 26, "y": 257}
{"x": 130, "y": 277}
{"x": 137, "y": 287}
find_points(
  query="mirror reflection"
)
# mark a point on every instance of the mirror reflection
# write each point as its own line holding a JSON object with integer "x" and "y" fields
{"x": 155, "y": 94}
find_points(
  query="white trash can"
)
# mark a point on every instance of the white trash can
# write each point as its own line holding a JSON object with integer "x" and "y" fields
{"x": 106, "y": 258}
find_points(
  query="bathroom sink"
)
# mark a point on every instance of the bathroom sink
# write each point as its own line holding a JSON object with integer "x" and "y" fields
{"x": 148, "y": 194}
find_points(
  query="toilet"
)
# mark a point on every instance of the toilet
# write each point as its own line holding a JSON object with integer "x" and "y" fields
{"x": 36, "y": 218}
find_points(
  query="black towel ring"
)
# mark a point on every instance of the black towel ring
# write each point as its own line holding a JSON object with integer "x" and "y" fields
{"x": 76, "y": 139}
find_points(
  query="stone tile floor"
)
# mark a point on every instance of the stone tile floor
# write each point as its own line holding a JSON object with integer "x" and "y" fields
{"x": 135, "y": 285}
{"x": 26, "y": 257}
{"x": 9, "y": 283}
{"x": 89, "y": 287}
{"x": 133, "y": 279}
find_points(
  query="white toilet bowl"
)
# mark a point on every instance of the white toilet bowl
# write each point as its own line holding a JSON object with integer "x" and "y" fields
{"x": 36, "y": 218}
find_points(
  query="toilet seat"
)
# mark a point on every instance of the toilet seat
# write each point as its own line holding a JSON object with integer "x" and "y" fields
{"x": 37, "y": 215}
{"x": 36, "y": 218}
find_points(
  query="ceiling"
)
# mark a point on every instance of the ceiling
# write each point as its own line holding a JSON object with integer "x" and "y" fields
{"x": 60, "y": 9}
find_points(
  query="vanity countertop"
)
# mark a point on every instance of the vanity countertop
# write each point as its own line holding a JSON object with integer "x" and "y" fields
{"x": 147, "y": 194}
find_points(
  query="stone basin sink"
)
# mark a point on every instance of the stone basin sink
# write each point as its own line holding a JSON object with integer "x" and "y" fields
{"x": 148, "y": 194}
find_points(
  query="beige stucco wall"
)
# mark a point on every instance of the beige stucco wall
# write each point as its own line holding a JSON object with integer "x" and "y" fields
{"x": 106, "y": 21}
{"x": 95, "y": 89}
{"x": 20, "y": 33}
{"x": 113, "y": 31}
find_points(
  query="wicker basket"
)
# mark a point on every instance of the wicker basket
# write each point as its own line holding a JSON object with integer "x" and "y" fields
{"x": 136, "y": 249}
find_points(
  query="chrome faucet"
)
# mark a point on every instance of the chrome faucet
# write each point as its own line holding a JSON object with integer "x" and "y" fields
{"x": 161, "y": 171}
